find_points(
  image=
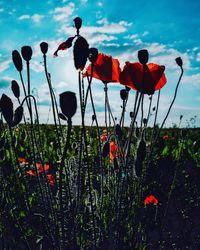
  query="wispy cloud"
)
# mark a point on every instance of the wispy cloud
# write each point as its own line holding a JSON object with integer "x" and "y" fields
{"x": 61, "y": 14}
{"x": 5, "y": 65}
{"x": 36, "y": 18}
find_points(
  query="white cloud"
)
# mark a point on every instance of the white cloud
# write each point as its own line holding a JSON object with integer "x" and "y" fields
{"x": 36, "y": 66}
{"x": 5, "y": 65}
{"x": 99, "y": 38}
{"x": 106, "y": 28}
{"x": 37, "y": 18}
{"x": 24, "y": 17}
{"x": 100, "y": 4}
{"x": 145, "y": 33}
{"x": 61, "y": 14}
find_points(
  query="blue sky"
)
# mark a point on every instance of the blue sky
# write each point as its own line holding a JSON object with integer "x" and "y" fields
{"x": 166, "y": 28}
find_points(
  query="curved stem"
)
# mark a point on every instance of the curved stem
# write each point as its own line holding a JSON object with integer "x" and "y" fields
{"x": 175, "y": 94}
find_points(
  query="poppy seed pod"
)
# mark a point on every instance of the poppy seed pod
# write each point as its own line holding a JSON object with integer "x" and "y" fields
{"x": 68, "y": 103}
{"x": 17, "y": 60}
{"x": 123, "y": 94}
{"x": 78, "y": 22}
{"x": 143, "y": 56}
{"x": 179, "y": 61}
{"x": 15, "y": 88}
{"x": 80, "y": 53}
{"x": 93, "y": 55}
{"x": 44, "y": 47}
{"x": 7, "y": 108}
{"x": 26, "y": 52}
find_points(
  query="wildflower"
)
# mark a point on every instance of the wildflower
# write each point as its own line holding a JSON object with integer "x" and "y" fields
{"x": 51, "y": 179}
{"x": 22, "y": 160}
{"x": 104, "y": 136}
{"x": 144, "y": 78}
{"x": 165, "y": 137}
{"x": 113, "y": 148}
{"x": 105, "y": 69}
{"x": 150, "y": 200}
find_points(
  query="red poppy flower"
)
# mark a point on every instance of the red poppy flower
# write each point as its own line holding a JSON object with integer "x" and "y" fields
{"x": 51, "y": 179}
{"x": 165, "y": 137}
{"x": 150, "y": 200}
{"x": 113, "y": 148}
{"x": 30, "y": 173}
{"x": 144, "y": 78}
{"x": 105, "y": 69}
{"x": 22, "y": 160}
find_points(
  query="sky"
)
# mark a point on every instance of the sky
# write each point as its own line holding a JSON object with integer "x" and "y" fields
{"x": 167, "y": 28}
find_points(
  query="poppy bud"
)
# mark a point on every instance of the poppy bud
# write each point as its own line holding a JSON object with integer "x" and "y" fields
{"x": 106, "y": 149}
{"x": 68, "y": 103}
{"x": 118, "y": 131}
{"x": 123, "y": 94}
{"x": 93, "y": 117}
{"x": 181, "y": 117}
{"x": 179, "y": 61}
{"x": 18, "y": 115}
{"x": 80, "y": 53}
{"x": 78, "y": 22}
{"x": 17, "y": 60}
{"x": 143, "y": 56}
{"x": 93, "y": 55}
{"x": 154, "y": 108}
{"x": 7, "y": 108}
{"x": 44, "y": 47}
{"x": 131, "y": 114}
{"x": 15, "y": 88}
{"x": 26, "y": 53}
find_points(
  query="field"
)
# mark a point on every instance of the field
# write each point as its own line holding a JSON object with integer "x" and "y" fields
{"x": 111, "y": 187}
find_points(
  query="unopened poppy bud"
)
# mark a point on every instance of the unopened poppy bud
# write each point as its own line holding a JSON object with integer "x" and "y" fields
{"x": 44, "y": 47}
{"x": 80, "y": 53}
{"x": 123, "y": 94}
{"x": 17, "y": 60}
{"x": 68, "y": 103}
{"x": 15, "y": 88}
{"x": 143, "y": 56}
{"x": 181, "y": 117}
{"x": 93, "y": 117}
{"x": 154, "y": 108}
{"x": 131, "y": 114}
{"x": 93, "y": 55}
{"x": 7, "y": 108}
{"x": 179, "y": 61}
{"x": 78, "y": 22}
{"x": 26, "y": 53}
